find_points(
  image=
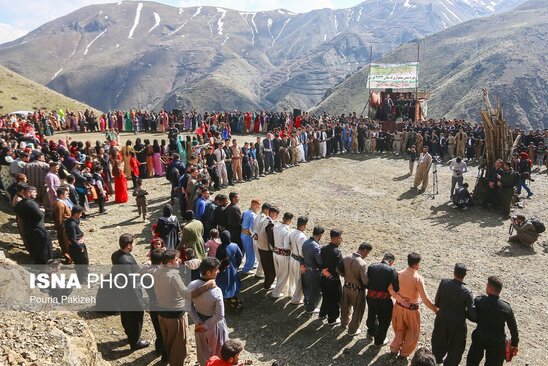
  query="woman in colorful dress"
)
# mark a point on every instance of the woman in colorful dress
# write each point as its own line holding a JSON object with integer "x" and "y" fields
{"x": 159, "y": 169}
{"x": 231, "y": 257}
{"x": 120, "y": 182}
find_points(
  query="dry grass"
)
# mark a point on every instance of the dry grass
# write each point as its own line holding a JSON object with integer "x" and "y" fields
{"x": 19, "y": 93}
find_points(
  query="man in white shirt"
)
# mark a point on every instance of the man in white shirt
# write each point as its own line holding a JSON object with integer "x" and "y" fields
{"x": 258, "y": 224}
{"x": 296, "y": 240}
{"x": 423, "y": 168}
{"x": 221, "y": 166}
{"x": 282, "y": 254}
{"x": 458, "y": 167}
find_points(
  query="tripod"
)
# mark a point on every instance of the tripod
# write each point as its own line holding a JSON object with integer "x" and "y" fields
{"x": 434, "y": 180}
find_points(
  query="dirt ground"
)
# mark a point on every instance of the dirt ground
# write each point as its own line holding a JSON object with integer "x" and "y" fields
{"x": 368, "y": 197}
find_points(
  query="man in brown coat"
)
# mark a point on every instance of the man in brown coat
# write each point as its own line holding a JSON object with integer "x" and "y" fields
{"x": 355, "y": 281}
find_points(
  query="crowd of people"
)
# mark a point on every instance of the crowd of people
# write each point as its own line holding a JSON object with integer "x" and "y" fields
{"x": 219, "y": 243}
{"x": 320, "y": 135}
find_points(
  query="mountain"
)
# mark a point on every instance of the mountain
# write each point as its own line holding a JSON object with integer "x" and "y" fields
{"x": 505, "y": 53}
{"x": 18, "y": 93}
{"x": 147, "y": 54}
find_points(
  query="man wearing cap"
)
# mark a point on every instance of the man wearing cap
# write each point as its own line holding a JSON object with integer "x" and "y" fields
{"x": 353, "y": 295}
{"x": 455, "y": 303}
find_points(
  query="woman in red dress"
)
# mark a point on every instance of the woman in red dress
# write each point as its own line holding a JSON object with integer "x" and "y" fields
{"x": 120, "y": 182}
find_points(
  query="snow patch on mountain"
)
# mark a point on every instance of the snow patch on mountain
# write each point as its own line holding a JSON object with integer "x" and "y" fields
{"x": 57, "y": 73}
{"x": 449, "y": 10}
{"x": 94, "y": 39}
{"x": 136, "y": 21}
{"x": 269, "y": 25}
{"x": 198, "y": 11}
{"x": 220, "y": 22}
{"x": 278, "y": 36}
{"x": 157, "y": 21}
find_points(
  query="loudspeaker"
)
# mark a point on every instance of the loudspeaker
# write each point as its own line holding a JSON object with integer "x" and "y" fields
{"x": 296, "y": 112}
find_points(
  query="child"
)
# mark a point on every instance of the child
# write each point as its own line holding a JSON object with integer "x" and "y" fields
{"x": 140, "y": 198}
{"x": 192, "y": 263}
{"x": 100, "y": 188}
{"x": 412, "y": 152}
{"x": 134, "y": 165}
{"x": 213, "y": 243}
{"x": 156, "y": 243}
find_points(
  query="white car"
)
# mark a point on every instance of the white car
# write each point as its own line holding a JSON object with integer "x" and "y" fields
{"x": 22, "y": 114}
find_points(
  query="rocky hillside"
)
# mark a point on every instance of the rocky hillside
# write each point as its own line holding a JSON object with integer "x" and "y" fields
{"x": 505, "y": 53}
{"x": 147, "y": 54}
{"x": 18, "y": 93}
{"x": 41, "y": 338}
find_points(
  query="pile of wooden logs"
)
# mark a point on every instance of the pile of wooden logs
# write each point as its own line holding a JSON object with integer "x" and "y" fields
{"x": 498, "y": 145}
{"x": 498, "y": 135}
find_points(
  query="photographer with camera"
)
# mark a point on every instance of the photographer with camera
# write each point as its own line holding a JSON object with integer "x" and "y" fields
{"x": 526, "y": 231}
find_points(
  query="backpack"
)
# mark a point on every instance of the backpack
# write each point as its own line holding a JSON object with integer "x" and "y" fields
{"x": 539, "y": 226}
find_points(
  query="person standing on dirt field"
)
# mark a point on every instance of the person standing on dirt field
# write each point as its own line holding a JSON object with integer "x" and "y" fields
{"x": 423, "y": 169}
{"x": 507, "y": 182}
{"x": 233, "y": 215}
{"x": 406, "y": 319}
{"x": 128, "y": 297}
{"x": 312, "y": 258}
{"x": 266, "y": 255}
{"x": 380, "y": 275}
{"x": 489, "y": 337}
{"x": 330, "y": 282}
{"x": 455, "y": 303}
{"x": 353, "y": 295}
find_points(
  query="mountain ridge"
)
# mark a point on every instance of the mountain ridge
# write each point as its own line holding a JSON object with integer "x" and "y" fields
{"x": 504, "y": 52}
{"x": 145, "y": 54}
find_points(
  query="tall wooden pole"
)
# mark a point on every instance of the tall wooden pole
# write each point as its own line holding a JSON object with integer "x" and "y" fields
{"x": 367, "y": 103}
{"x": 417, "y": 104}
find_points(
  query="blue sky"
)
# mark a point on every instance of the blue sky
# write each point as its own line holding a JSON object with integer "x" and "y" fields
{"x": 18, "y": 17}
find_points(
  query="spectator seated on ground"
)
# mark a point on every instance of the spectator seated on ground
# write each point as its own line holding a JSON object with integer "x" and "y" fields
{"x": 526, "y": 232}
{"x": 461, "y": 198}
